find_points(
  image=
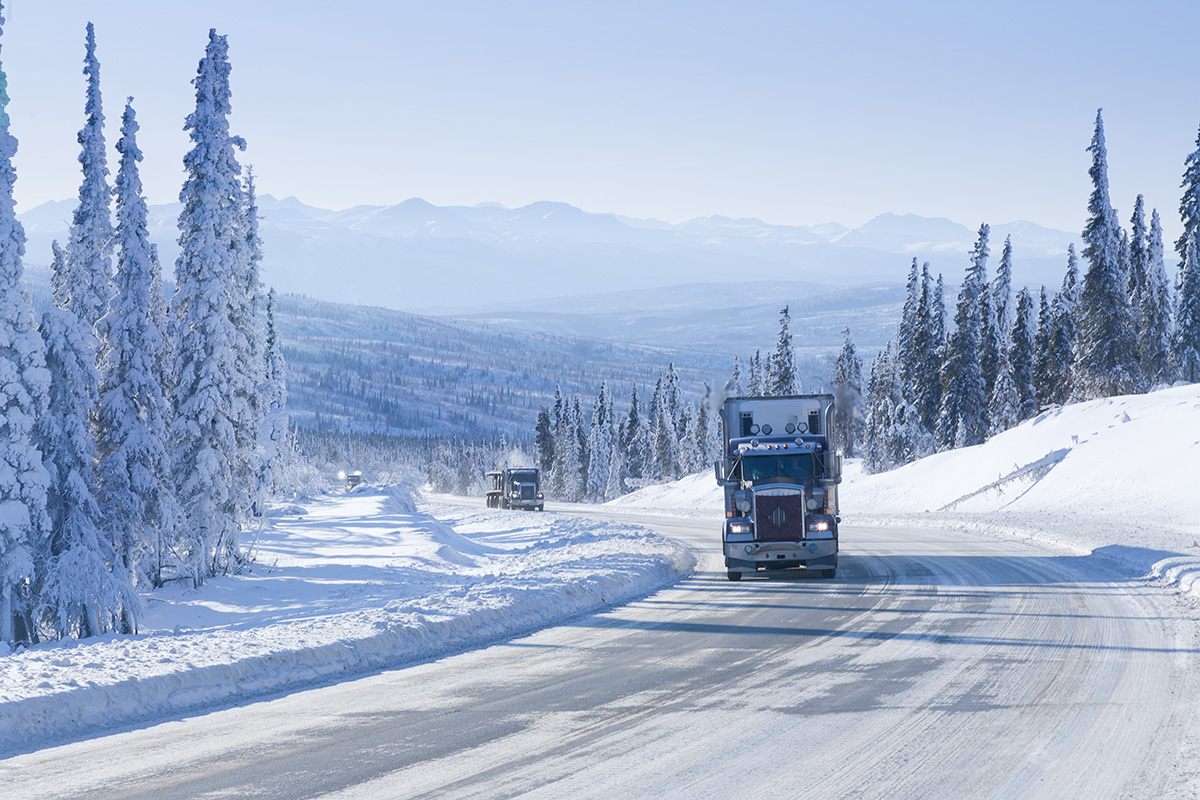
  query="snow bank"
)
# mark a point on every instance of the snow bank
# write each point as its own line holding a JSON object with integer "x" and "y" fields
{"x": 354, "y": 582}
{"x": 1116, "y": 476}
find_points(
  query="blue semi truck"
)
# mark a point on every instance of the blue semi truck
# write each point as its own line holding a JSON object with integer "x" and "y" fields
{"x": 780, "y": 470}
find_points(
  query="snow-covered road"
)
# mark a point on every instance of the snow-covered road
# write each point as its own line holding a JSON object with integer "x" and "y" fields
{"x": 937, "y": 665}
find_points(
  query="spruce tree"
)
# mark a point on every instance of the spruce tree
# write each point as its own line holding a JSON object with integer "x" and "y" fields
{"x": 1189, "y": 204}
{"x": 248, "y": 309}
{"x": 784, "y": 380}
{"x": 84, "y": 588}
{"x": 24, "y": 482}
{"x": 1139, "y": 255}
{"x": 210, "y": 347}
{"x": 1154, "y": 312}
{"x": 910, "y": 327}
{"x": 847, "y": 384}
{"x": 136, "y": 493}
{"x": 755, "y": 388}
{"x": 600, "y": 446}
{"x": 1042, "y": 366}
{"x": 543, "y": 441}
{"x": 1185, "y": 343}
{"x": 735, "y": 379}
{"x": 1022, "y": 357}
{"x": 1063, "y": 335}
{"x": 962, "y": 420}
{"x": 273, "y": 402}
{"x": 90, "y": 240}
{"x": 634, "y": 438}
{"x": 1106, "y": 358}
{"x": 1002, "y": 293}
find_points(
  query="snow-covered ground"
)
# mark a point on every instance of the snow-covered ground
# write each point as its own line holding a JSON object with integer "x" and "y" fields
{"x": 348, "y": 583}
{"x": 341, "y": 584}
{"x": 1120, "y": 476}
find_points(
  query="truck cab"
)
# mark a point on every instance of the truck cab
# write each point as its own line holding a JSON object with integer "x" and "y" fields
{"x": 519, "y": 487}
{"x": 779, "y": 472}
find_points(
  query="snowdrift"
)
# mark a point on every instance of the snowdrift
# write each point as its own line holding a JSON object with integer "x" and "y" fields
{"x": 347, "y": 584}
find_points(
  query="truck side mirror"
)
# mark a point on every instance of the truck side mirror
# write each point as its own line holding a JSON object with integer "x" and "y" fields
{"x": 719, "y": 469}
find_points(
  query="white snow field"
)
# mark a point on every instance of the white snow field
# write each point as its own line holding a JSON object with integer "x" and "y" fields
{"x": 351, "y": 583}
{"x": 341, "y": 585}
{"x": 1118, "y": 476}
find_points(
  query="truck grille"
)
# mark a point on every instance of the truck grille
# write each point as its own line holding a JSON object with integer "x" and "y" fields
{"x": 779, "y": 518}
{"x": 527, "y": 492}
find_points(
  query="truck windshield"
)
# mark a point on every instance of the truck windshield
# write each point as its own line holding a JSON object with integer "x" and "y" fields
{"x": 763, "y": 468}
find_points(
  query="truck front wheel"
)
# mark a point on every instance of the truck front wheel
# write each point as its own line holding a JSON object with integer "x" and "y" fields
{"x": 734, "y": 576}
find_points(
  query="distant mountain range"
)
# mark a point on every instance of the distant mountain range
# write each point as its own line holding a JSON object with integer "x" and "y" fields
{"x": 465, "y": 259}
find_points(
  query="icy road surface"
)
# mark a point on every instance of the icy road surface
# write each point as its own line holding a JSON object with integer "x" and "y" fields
{"x": 936, "y": 665}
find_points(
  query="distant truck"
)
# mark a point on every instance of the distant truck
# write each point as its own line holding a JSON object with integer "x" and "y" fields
{"x": 520, "y": 487}
{"x": 780, "y": 470}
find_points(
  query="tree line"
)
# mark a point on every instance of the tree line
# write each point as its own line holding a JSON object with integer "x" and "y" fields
{"x": 137, "y": 436}
{"x": 1119, "y": 329}
{"x": 602, "y": 455}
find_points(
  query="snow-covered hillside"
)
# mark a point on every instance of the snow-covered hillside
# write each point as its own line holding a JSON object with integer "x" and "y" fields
{"x": 1116, "y": 475}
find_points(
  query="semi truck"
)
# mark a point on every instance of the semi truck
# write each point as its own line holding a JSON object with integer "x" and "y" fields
{"x": 779, "y": 469}
{"x": 519, "y": 487}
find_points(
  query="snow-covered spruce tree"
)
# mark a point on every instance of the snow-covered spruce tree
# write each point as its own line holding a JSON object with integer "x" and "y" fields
{"x": 1154, "y": 312}
{"x": 1002, "y": 292}
{"x": 210, "y": 384}
{"x": 666, "y": 436}
{"x": 652, "y": 464}
{"x": 1062, "y": 336}
{"x": 1106, "y": 357}
{"x": 273, "y": 402}
{"x": 543, "y": 441}
{"x": 735, "y": 379}
{"x": 585, "y": 454}
{"x": 784, "y": 380}
{"x": 89, "y": 244}
{"x": 249, "y": 315}
{"x": 878, "y": 415}
{"x": 24, "y": 386}
{"x": 847, "y": 384}
{"x": 907, "y": 353}
{"x": 1005, "y": 403}
{"x": 83, "y": 588}
{"x": 1041, "y": 352}
{"x": 1189, "y": 203}
{"x": 925, "y": 383}
{"x": 962, "y": 420}
{"x": 634, "y": 438}
{"x": 1139, "y": 255}
{"x": 1021, "y": 357}
{"x": 893, "y": 436}
{"x": 1185, "y": 343}
{"x": 929, "y": 389}
{"x": 136, "y": 493}
{"x": 989, "y": 337}
{"x": 755, "y": 386}
{"x": 600, "y": 446}
{"x": 706, "y": 432}
{"x": 617, "y": 472}
{"x": 688, "y": 454}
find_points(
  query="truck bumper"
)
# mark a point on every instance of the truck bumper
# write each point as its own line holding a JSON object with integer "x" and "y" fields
{"x": 752, "y": 556}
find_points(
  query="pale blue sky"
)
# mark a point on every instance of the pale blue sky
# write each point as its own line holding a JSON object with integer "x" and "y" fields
{"x": 796, "y": 113}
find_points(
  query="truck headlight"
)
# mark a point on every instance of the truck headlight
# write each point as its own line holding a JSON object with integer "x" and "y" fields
{"x": 818, "y": 525}
{"x": 740, "y": 527}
